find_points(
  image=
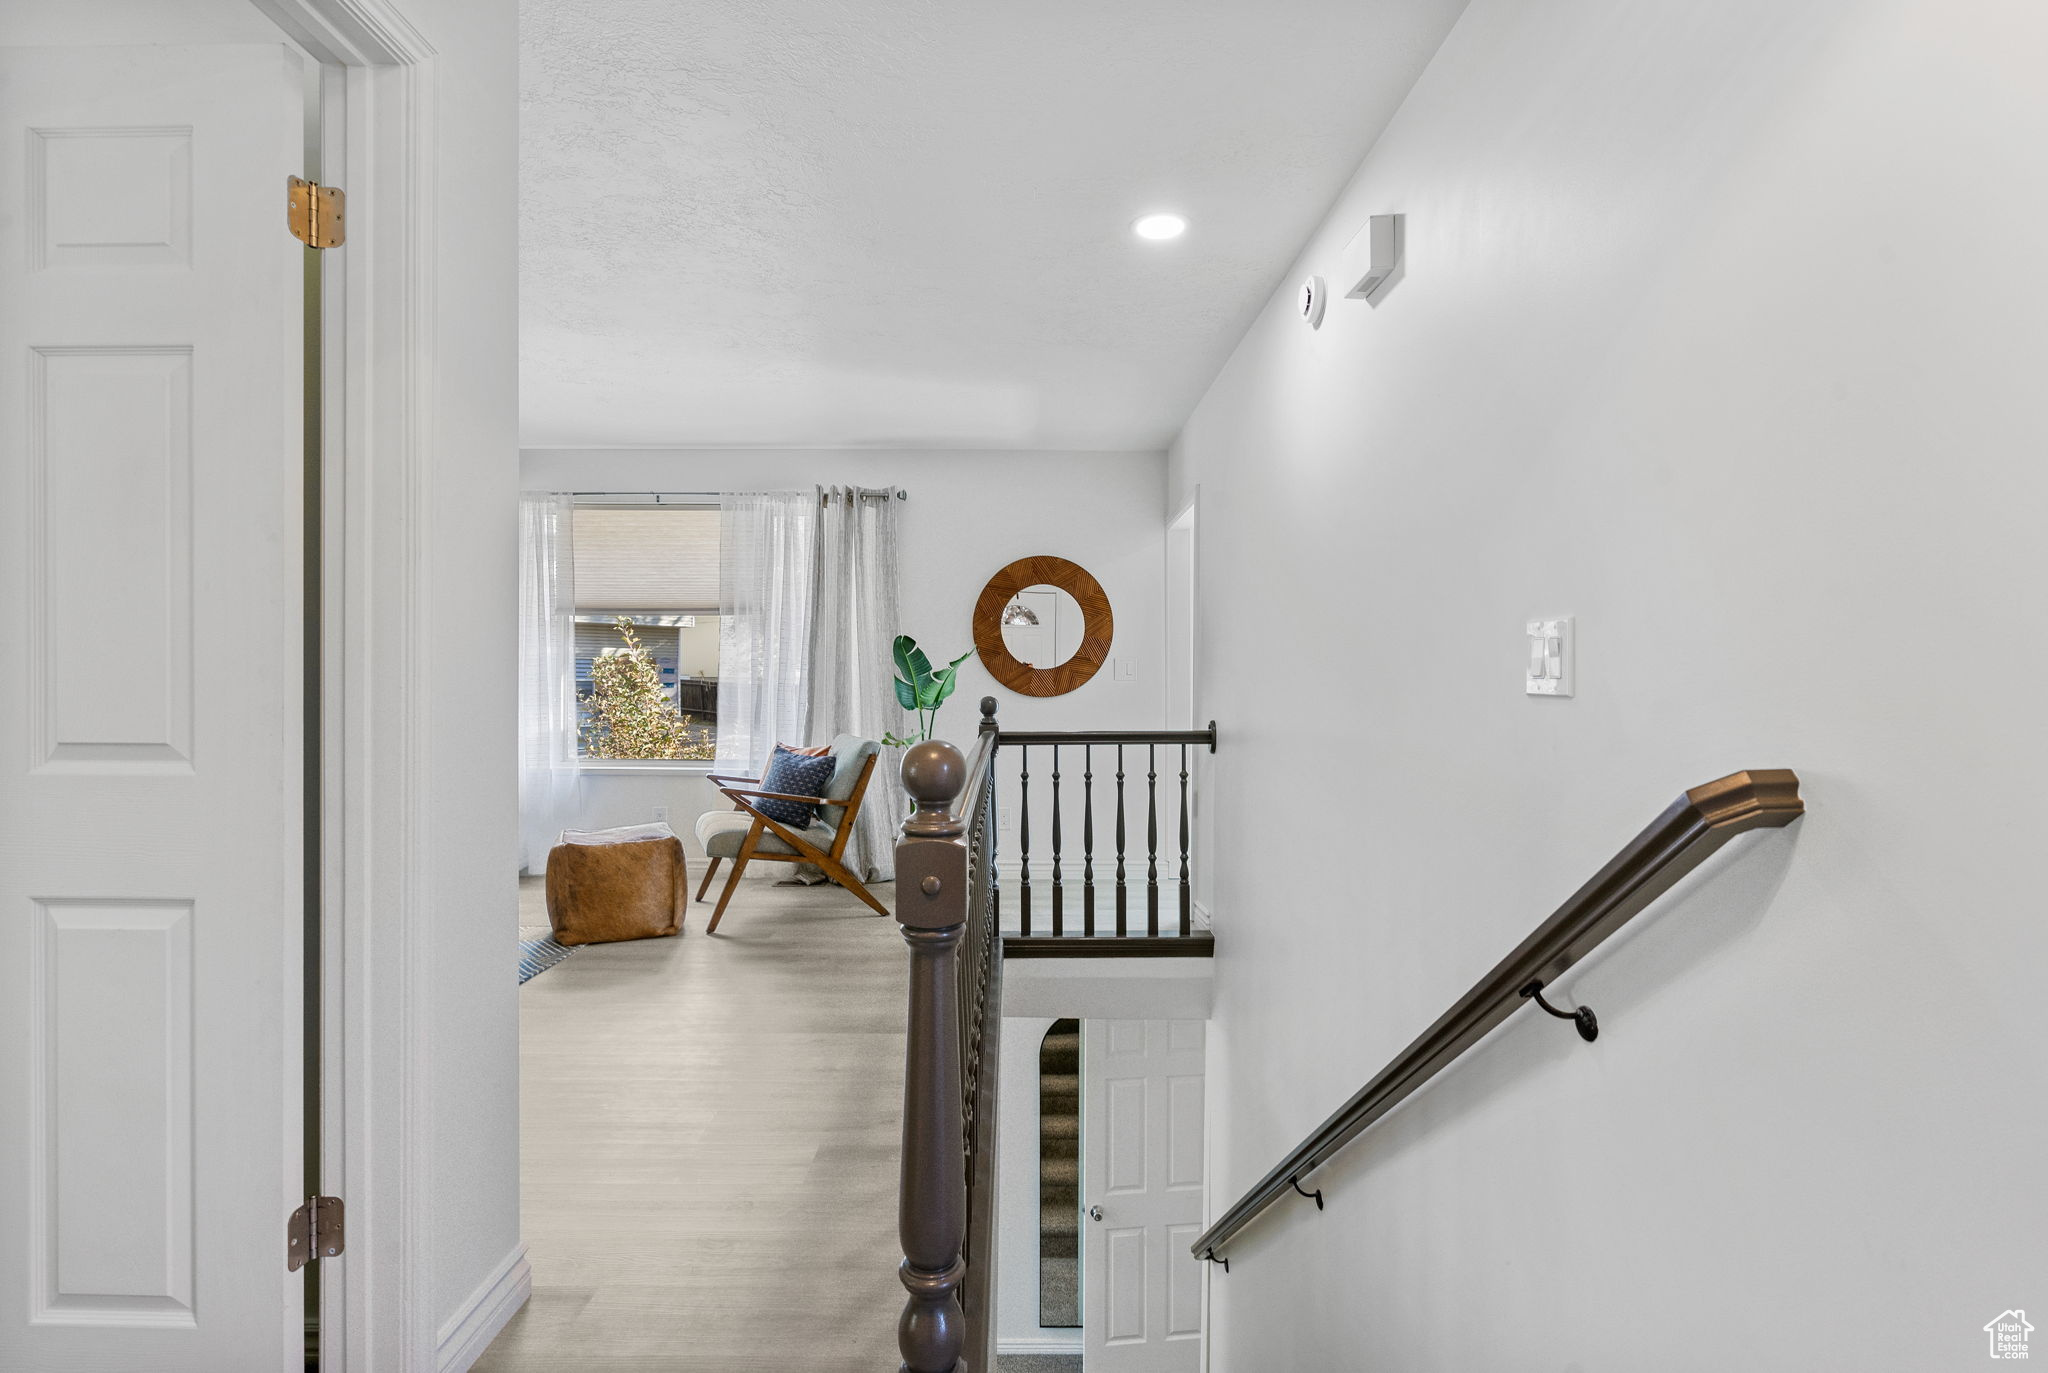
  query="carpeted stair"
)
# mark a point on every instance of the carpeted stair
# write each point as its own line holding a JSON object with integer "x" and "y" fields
{"x": 1059, "y": 1176}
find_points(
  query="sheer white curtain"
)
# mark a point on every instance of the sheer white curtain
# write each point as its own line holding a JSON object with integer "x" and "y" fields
{"x": 767, "y": 553}
{"x": 548, "y": 775}
{"x": 853, "y": 625}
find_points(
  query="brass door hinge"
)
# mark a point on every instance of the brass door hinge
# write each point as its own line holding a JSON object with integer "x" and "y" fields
{"x": 318, "y": 215}
{"x": 313, "y": 1232}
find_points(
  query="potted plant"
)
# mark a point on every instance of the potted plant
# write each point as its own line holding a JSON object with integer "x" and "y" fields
{"x": 920, "y": 689}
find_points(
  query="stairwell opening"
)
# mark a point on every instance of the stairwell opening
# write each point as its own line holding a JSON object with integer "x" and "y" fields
{"x": 1059, "y": 1176}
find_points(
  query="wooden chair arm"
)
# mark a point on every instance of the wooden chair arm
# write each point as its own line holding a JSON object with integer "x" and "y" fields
{"x": 720, "y": 777}
{"x": 802, "y": 843}
{"x": 737, "y": 792}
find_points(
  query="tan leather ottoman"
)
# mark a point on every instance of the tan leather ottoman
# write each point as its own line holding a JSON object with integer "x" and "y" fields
{"x": 609, "y": 885}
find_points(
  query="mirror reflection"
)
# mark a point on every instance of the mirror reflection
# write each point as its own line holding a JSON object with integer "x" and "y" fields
{"x": 1042, "y": 626}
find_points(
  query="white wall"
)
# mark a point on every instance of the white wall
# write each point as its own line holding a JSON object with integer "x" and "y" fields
{"x": 31, "y": 25}
{"x": 471, "y": 805}
{"x": 619, "y": 796}
{"x": 1723, "y": 329}
{"x": 1110, "y": 988}
{"x": 968, "y": 515}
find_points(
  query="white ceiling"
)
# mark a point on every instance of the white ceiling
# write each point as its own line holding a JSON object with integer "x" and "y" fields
{"x": 821, "y": 223}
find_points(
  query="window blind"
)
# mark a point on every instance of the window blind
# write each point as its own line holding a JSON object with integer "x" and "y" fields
{"x": 647, "y": 559}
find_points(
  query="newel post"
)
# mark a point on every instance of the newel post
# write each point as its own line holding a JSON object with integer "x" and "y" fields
{"x": 931, "y": 906}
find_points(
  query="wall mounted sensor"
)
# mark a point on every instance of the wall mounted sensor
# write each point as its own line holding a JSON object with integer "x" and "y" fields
{"x": 1382, "y": 242}
{"x": 1310, "y": 301}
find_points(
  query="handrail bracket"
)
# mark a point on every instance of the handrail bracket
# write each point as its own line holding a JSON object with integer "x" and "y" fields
{"x": 1583, "y": 1017}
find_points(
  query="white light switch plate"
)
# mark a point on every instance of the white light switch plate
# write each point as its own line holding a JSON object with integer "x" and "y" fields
{"x": 1123, "y": 669}
{"x": 1547, "y": 671}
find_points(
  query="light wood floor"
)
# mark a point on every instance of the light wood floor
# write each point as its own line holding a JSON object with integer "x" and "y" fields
{"x": 710, "y": 1139}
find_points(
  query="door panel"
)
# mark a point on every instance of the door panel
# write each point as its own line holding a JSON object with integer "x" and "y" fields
{"x": 1123, "y": 1129}
{"x": 1141, "y": 1140}
{"x": 110, "y": 500}
{"x": 1124, "y": 1286}
{"x": 150, "y": 713}
{"x": 1183, "y": 1283}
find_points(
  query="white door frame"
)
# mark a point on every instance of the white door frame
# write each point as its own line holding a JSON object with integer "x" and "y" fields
{"x": 1187, "y": 597}
{"x": 377, "y": 1307}
{"x": 1189, "y": 516}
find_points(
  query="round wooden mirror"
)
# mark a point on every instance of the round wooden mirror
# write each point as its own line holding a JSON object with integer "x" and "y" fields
{"x": 1042, "y": 626}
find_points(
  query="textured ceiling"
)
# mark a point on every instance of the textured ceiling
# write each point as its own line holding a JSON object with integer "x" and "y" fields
{"x": 906, "y": 223}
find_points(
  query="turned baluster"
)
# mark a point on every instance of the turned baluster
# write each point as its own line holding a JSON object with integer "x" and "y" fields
{"x": 1024, "y": 839}
{"x": 1059, "y": 895}
{"x": 1121, "y": 895}
{"x": 1152, "y": 840}
{"x": 1088, "y": 839}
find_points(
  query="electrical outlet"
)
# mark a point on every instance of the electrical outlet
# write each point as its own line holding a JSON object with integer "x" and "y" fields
{"x": 661, "y": 815}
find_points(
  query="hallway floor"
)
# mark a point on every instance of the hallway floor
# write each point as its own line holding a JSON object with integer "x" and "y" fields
{"x": 710, "y": 1128}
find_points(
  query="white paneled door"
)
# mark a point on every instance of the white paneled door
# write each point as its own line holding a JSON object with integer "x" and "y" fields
{"x": 1141, "y": 1185}
{"x": 150, "y": 719}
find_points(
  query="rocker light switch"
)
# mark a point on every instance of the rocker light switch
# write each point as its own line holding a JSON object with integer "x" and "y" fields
{"x": 1549, "y": 669}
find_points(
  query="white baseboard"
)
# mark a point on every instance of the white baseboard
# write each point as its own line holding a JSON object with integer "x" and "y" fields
{"x": 477, "y": 1322}
{"x": 1047, "y": 1342}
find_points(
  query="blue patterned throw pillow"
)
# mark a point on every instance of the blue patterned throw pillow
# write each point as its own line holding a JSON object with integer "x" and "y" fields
{"x": 795, "y": 774}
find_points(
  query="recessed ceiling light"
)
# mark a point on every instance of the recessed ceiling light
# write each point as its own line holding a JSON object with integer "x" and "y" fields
{"x": 1160, "y": 227}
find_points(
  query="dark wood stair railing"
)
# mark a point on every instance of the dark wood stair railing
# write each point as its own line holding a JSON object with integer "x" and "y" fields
{"x": 1675, "y": 843}
{"x": 1178, "y": 934}
{"x": 948, "y": 902}
{"x": 945, "y": 903}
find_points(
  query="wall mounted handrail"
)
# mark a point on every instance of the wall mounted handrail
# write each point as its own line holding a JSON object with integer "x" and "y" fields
{"x": 1675, "y": 843}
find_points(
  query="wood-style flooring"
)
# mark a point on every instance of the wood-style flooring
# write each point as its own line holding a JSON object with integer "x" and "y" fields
{"x": 710, "y": 1134}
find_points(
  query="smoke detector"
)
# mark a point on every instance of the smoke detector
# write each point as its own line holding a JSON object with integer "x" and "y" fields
{"x": 1310, "y": 301}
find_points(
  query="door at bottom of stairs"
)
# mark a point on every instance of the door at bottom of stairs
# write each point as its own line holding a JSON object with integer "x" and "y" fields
{"x": 1143, "y": 1170}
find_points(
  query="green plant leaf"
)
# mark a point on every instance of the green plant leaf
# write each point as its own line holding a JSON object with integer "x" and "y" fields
{"x": 944, "y": 683}
{"x": 906, "y": 694}
{"x": 911, "y": 663}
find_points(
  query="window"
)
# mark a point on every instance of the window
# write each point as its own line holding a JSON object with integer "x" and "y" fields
{"x": 647, "y": 631}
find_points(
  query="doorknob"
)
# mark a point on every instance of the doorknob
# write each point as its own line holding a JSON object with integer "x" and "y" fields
{"x": 1095, "y": 1213}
